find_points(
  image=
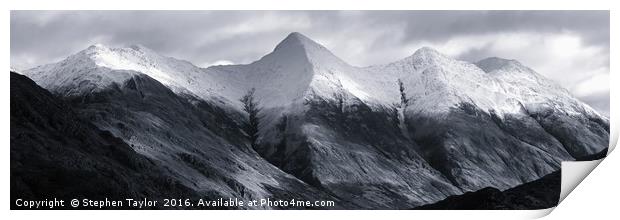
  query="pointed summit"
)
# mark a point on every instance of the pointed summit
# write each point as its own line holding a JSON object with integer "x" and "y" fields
{"x": 94, "y": 49}
{"x": 426, "y": 55}
{"x": 298, "y": 46}
{"x": 296, "y": 39}
{"x": 423, "y": 57}
{"x": 297, "y": 68}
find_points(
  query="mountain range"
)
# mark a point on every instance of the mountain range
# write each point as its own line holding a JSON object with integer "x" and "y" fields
{"x": 400, "y": 135}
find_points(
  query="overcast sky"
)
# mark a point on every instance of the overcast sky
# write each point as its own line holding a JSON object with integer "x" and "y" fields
{"x": 570, "y": 47}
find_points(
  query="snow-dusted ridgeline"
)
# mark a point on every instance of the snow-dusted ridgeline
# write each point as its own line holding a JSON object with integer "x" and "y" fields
{"x": 299, "y": 67}
{"x": 330, "y": 124}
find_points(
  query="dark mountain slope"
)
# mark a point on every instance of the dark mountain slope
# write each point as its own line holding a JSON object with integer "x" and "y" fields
{"x": 356, "y": 153}
{"x": 475, "y": 149}
{"x": 539, "y": 194}
{"x": 200, "y": 144}
{"x": 56, "y": 154}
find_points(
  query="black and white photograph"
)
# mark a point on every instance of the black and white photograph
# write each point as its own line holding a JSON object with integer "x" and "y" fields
{"x": 304, "y": 109}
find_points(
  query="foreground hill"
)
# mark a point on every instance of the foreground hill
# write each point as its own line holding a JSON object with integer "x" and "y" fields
{"x": 54, "y": 154}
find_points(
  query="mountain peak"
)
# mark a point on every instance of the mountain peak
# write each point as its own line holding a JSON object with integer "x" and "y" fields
{"x": 297, "y": 46}
{"x": 112, "y": 57}
{"x": 295, "y": 39}
{"x": 427, "y": 50}
{"x": 297, "y": 35}
{"x": 422, "y": 57}
{"x": 298, "y": 41}
{"x": 428, "y": 53}
{"x": 95, "y": 49}
{"x": 98, "y": 49}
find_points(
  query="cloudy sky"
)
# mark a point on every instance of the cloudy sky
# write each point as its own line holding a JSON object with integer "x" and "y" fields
{"x": 570, "y": 47}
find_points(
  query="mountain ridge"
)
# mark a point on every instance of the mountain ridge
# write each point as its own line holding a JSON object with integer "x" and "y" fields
{"x": 315, "y": 69}
{"x": 403, "y": 134}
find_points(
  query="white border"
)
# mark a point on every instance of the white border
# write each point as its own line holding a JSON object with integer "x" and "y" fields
{"x": 585, "y": 205}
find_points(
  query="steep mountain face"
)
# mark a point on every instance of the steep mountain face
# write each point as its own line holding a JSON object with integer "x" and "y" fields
{"x": 197, "y": 142}
{"x": 470, "y": 128}
{"x": 582, "y": 130}
{"x": 56, "y": 154}
{"x": 398, "y": 135}
{"x": 325, "y": 134}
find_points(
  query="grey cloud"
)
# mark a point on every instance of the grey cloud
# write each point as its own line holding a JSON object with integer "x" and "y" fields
{"x": 52, "y": 35}
{"x": 439, "y": 25}
{"x": 600, "y": 102}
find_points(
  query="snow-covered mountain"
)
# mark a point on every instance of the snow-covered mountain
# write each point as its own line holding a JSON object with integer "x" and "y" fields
{"x": 401, "y": 134}
{"x": 97, "y": 67}
{"x": 299, "y": 67}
